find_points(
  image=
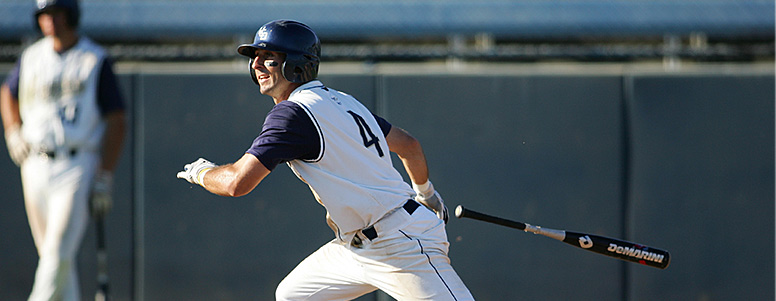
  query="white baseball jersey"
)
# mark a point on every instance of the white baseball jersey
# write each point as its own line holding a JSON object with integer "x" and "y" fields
{"x": 348, "y": 141}
{"x": 351, "y": 142}
{"x": 57, "y": 95}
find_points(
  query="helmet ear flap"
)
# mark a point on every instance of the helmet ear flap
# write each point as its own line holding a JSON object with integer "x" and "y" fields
{"x": 300, "y": 68}
{"x": 252, "y": 72}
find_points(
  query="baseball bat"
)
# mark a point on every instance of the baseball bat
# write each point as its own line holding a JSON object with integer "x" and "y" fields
{"x": 102, "y": 261}
{"x": 612, "y": 247}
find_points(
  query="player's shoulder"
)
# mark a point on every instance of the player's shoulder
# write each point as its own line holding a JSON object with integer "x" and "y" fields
{"x": 42, "y": 44}
{"x": 287, "y": 105}
{"x": 287, "y": 110}
{"x": 88, "y": 45}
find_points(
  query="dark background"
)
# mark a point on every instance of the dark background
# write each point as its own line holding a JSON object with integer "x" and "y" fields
{"x": 650, "y": 121}
{"x": 677, "y": 160}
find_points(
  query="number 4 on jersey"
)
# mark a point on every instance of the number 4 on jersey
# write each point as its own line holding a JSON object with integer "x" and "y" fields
{"x": 366, "y": 133}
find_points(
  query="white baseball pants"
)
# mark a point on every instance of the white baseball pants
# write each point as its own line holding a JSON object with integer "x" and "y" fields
{"x": 56, "y": 193}
{"x": 410, "y": 263}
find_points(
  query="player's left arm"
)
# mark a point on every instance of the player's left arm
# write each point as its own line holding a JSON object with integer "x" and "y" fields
{"x": 113, "y": 140}
{"x": 410, "y": 153}
{"x": 111, "y": 104}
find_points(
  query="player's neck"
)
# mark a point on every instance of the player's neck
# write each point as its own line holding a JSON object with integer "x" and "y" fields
{"x": 65, "y": 41}
{"x": 286, "y": 93}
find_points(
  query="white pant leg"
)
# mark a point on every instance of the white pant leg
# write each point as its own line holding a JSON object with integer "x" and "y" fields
{"x": 56, "y": 195}
{"x": 412, "y": 263}
{"x": 330, "y": 273}
{"x": 408, "y": 264}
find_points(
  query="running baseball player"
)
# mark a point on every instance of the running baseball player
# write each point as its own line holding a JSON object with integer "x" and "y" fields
{"x": 64, "y": 125}
{"x": 384, "y": 238}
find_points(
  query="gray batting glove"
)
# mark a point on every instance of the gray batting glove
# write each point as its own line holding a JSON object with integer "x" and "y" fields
{"x": 427, "y": 196}
{"x": 102, "y": 199}
{"x": 194, "y": 172}
{"x": 17, "y": 147}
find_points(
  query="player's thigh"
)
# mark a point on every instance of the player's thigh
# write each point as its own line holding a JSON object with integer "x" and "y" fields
{"x": 68, "y": 213}
{"x": 431, "y": 278}
{"x": 330, "y": 273}
{"x": 419, "y": 251}
{"x": 35, "y": 184}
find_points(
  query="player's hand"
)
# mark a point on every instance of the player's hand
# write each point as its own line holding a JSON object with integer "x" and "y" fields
{"x": 102, "y": 199}
{"x": 427, "y": 196}
{"x": 194, "y": 172}
{"x": 17, "y": 147}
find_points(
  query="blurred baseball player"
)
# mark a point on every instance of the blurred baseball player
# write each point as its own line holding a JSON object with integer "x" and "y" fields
{"x": 64, "y": 125}
{"x": 384, "y": 238}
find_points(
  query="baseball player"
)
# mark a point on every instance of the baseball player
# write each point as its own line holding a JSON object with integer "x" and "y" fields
{"x": 384, "y": 238}
{"x": 64, "y": 125}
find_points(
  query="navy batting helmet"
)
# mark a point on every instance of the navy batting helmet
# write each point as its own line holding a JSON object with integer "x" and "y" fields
{"x": 70, "y": 6}
{"x": 296, "y": 40}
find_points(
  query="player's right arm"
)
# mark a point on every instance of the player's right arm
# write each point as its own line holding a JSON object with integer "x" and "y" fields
{"x": 9, "y": 106}
{"x": 235, "y": 179}
{"x": 287, "y": 134}
{"x": 12, "y": 120}
{"x": 9, "y": 102}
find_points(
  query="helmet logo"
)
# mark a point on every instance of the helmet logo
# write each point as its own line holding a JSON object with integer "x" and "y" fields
{"x": 42, "y": 3}
{"x": 263, "y": 34}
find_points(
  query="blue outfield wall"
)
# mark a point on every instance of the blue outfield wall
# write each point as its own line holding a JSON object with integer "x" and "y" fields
{"x": 678, "y": 160}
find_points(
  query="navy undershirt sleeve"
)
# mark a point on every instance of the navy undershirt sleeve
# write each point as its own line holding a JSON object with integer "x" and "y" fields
{"x": 288, "y": 134}
{"x": 12, "y": 80}
{"x": 385, "y": 126}
{"x": 109, "y": 97}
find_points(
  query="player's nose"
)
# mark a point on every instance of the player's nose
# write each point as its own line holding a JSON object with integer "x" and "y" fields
{"x": 257, "y": 63}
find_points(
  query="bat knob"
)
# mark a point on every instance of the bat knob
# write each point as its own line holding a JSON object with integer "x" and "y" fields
{"x": 459, "y": 211}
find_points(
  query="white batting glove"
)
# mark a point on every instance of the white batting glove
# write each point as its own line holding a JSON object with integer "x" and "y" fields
{"x": 427, "y": 196}
{"x": 17, "y": 147}
{"x": 195, "y": 172}
{"x": 102, "y": 194}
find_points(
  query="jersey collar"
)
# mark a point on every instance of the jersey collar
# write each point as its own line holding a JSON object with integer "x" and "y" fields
{"x": 309, "y": 85}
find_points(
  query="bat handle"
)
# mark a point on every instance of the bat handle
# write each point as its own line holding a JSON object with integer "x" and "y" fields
{"x": 102, "y": 262}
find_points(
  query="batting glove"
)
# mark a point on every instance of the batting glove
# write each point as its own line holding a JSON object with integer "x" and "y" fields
{"x": 195, "y": 172}
{"x": 102, "y": 200}
{"x": 17, "y": 147}
{"x": 427, "y": 196}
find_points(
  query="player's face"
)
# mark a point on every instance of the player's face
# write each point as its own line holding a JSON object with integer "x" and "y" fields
{"x": 268, "y": 66}
{"x": 53, "y": 22}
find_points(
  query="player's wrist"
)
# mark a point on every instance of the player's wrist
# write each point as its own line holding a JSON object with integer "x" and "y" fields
{"x": 14, "y": 133}
{"x": 18, "y": 148}
{"x": 425, "y": 189}
{"x": 201, "y": 175}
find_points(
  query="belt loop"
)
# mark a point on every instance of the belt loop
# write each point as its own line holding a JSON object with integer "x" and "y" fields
{"x": 410, "y": 206}
{"x": 371, "y": 233}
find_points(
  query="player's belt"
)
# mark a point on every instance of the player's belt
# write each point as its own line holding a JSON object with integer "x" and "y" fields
{"x": 53, "y": 154}
{"x": 370, "y": 231}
